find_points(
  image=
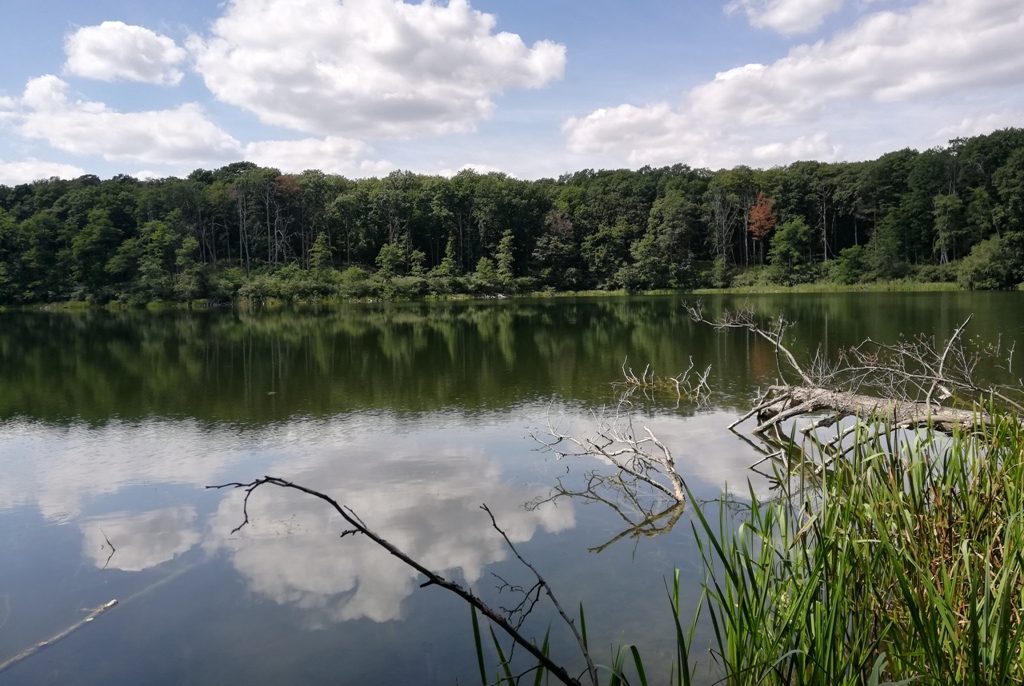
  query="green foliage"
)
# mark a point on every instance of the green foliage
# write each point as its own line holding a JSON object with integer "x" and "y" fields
{"x": 118, "y": 239}
{"x": 505, "y": 259}
{"x": 606, "y": 251}
{"x": 905, "y": 561}
{"x": 883, "y": 253}
{"x": 950, "y": 227}
{"x": 417, "y": 259}
{"x": 1008, "y": 181}
{"x": 883, "y": 561}
{"x": 938, "y": 273}
{"x": 790, "y": 257}
{"x": 390, "y": 260}
{"x": 556, "y": 256}
{"x": 447, "y": 268}
{"x": 754, "y": 277}
{"x": 485, "y": 278}
{"x": 851, "y": 266}
{"x": 721, "y": 273}
{"x": 320, "y": 253}
{"x": 994, "y": 264}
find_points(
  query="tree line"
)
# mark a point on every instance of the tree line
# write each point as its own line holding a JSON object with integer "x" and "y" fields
{"x": 244, "y": 231}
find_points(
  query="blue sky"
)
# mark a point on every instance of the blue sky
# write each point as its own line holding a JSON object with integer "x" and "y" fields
{"x": 361, "y": 87}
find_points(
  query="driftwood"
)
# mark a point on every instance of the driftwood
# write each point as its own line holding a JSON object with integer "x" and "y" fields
{"x": 60, "y": 636}
{"x": 785, "y": 402}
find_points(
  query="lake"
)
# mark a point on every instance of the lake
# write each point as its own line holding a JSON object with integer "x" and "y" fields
{"x": 112, "y": 424}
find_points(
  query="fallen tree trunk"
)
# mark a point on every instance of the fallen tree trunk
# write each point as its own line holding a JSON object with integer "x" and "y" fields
{"x": 785, "y": 402}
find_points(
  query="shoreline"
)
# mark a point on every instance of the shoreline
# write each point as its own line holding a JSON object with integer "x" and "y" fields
{"x": 275, "y": 303}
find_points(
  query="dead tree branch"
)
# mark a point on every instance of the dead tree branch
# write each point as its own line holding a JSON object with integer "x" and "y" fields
{"x": 643, "y": 487}
{"x": 640, "y": 459}
{"x": 499, "y": 618}
{"x": 690, "y": 384}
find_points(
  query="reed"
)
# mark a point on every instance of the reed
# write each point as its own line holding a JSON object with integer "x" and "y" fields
{"x": 901, "y": 560}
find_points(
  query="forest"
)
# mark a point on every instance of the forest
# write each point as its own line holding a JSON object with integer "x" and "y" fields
{"x": 244, "y": 232}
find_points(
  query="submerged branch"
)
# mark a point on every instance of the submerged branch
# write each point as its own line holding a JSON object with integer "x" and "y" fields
{"x": 60, "y": 636}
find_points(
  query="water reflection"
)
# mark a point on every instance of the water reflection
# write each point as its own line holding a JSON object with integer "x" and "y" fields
{"x": 417, "y": 483}
{"x": 428, "y": 506}
{"x": 59, "y": 470}
{"x": 112, "y": 424}
{"x": 134, "y": 542}
{"x": 261, "y": 367}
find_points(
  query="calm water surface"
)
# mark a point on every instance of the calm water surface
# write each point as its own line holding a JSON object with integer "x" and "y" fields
{"x": 111, "y": 425}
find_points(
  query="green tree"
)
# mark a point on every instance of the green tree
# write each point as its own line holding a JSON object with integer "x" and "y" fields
{"x": 650, "y": 267}
{"x": 91, "y": 247}
{"x": 11, "y": 250}
{"x": 485, "y": 277}
{"x": 606, "y": 252}
{"x": 190, "y": 281}
{"x": 417, "y": 262}
{"x": 995, "y": 263}
{"x": 320, "y": 253}
{"x": 505, "y": 259}
{"x": 884, "y": 257}
{"x": 1009, "y": 184}
{"x": 980, "y": 222}
{"x": 851, "y": 265}
{"x": 556, "y": 258}
{"x": 448, "y": 267}
{"x": 390, "y": 260}
{"x": 790, "y": 256}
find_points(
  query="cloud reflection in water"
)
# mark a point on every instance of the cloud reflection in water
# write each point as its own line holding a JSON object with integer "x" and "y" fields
{"x": 426, "y": 504}
{"x": 141, "y": 540}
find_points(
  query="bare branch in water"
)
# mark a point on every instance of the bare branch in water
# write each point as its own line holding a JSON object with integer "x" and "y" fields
{"x": 503, "y": 620}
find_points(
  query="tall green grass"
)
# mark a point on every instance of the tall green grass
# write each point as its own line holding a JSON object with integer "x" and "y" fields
{"x": 897, "y": 559}
{"x": 900, "y": 562}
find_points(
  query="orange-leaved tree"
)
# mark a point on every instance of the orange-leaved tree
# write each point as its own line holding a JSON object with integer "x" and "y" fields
{"x": 761, "y": 221}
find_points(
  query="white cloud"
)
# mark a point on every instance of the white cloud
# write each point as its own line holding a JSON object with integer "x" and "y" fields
{"x": 333, "y": 154}
{"x": 785, "y": 16}
{"x": 376, "y": 68}
{"x": 31, "y": 169}
{"x": 176, "y": 136}
{"x": 115, "y": 51}
{"x": 894, "y": 75}
{"x": 449, "y": 172}
{"x": 982, "y": 123}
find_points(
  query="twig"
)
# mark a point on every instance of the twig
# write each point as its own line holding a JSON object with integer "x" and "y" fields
{"x": 112, "y": 549}
{"x": 591, "y": 669}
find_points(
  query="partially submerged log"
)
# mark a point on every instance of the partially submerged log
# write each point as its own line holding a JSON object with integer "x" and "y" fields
{"x": 786, "y": 402}
{"x": 59, "y": 636}
{"x": 912, "y": 383}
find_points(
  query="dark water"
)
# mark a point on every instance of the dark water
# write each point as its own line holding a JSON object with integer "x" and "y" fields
{"x": 111, "y": 425}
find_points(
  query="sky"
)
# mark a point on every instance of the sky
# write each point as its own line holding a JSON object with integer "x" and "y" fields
{"x": 532, "y": 88}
